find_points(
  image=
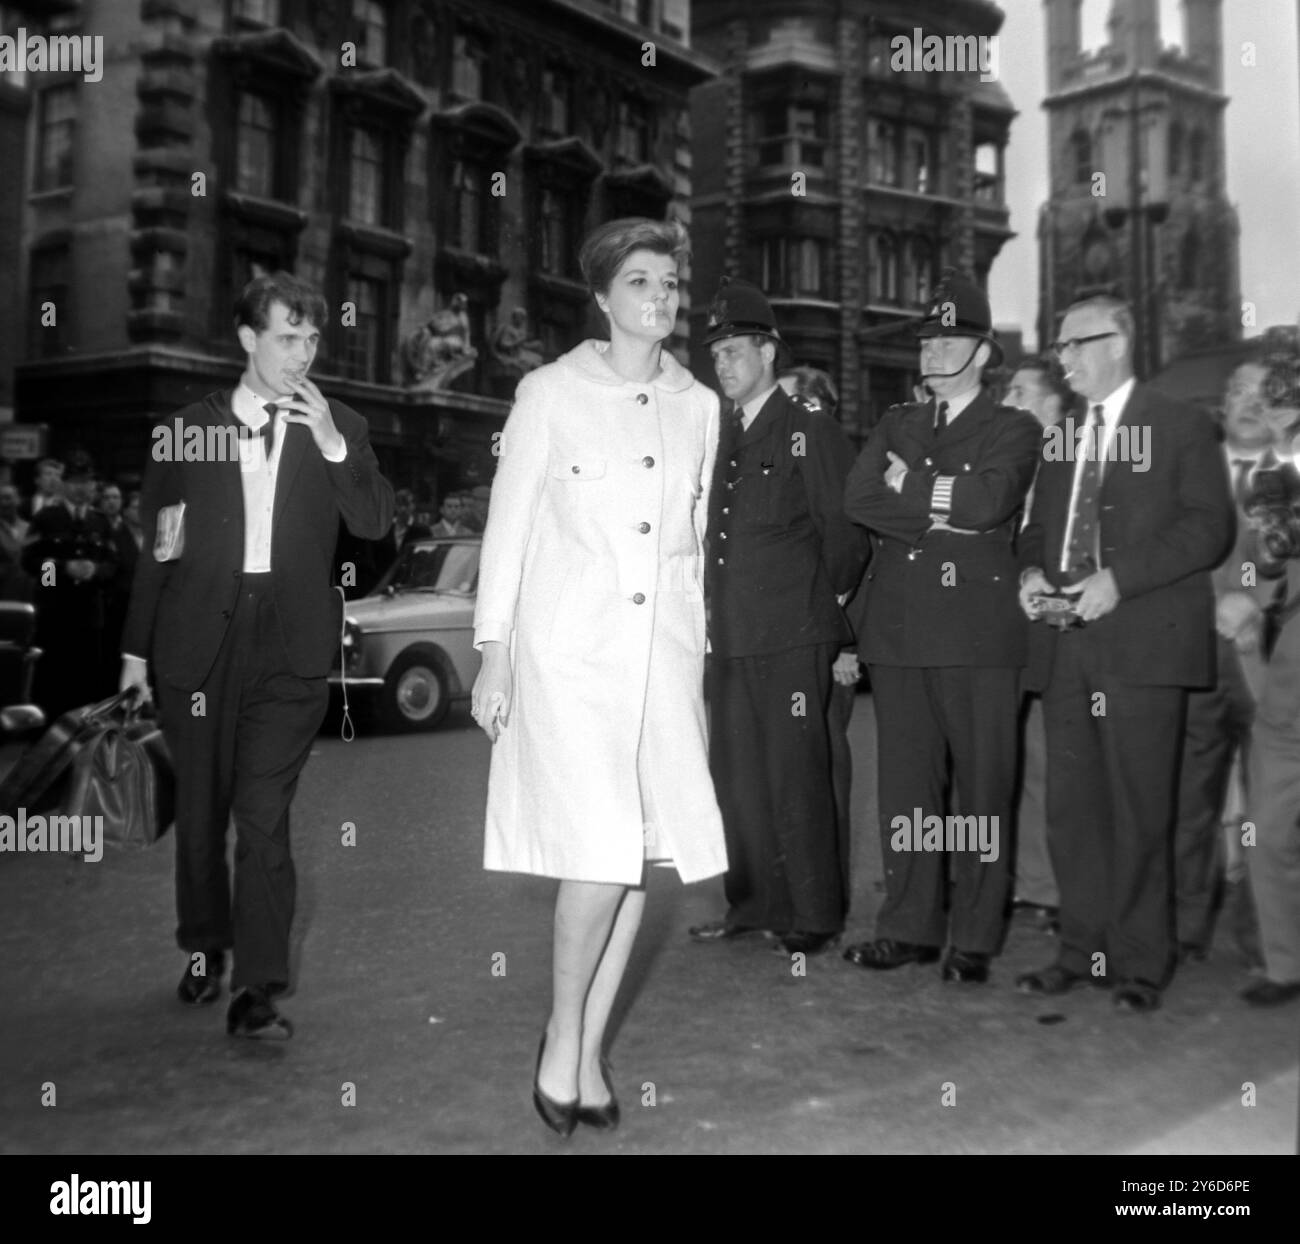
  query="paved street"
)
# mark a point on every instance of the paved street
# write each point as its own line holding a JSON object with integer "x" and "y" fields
{"x": 721, "y": 1049}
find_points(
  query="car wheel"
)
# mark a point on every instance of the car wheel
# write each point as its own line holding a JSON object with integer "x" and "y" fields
{"x": 416, "y": 696}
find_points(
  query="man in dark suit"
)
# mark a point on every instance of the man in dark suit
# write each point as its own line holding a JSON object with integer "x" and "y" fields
{"x": 1127, "y": 521}
{"x": 71, "y": 557}
{"x": 118, "y": 591}
{"x": 940, "y": 485}
{"x": 779, "y": 552}
{"x": 239, "y": 631}
{"x": 404, "y": 530}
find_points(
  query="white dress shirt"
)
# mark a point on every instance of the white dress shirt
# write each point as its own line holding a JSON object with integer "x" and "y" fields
{"x": 1112, "y": 407}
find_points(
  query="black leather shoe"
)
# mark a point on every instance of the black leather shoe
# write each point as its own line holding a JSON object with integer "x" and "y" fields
{"x": 559, "y": 1116}
{"x": 1050, "y": 980}
{"x": 971, "y": 967}
{"x": 884, "y": 952}
{"x": 206, "y": 988}
{"x": 799, "y": 943}
{"x": 1136, "y": 996}
{"x": 252, "y": 1014}
{"x": 720, "y": 931}
{"x": 1270, "y": 993}
{"x": 602, "y": 1118}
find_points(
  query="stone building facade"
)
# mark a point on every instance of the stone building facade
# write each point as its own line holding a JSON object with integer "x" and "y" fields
{"x": 432, "y": 164}
{"x": 1135, "y": 113}
{"x": 902, "y": 176}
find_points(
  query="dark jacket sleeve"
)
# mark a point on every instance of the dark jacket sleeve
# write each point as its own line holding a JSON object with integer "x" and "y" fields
{"x": 985, "y": 499}
{"x": 869, "y": 501}
{"x": 161, "y": 487}
{"x": 364, "y": 496}
{"x": 845, "y": 547}
{"x": 1202, "y": 534}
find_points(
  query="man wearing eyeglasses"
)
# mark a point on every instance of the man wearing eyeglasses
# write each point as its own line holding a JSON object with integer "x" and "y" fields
{"x": 1127, "y": 525}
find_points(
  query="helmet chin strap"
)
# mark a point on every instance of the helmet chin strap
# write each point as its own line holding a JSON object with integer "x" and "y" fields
{"x": 926, "y": 377}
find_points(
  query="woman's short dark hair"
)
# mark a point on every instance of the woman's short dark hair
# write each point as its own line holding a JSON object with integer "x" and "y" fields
{"x": 607, "y": 246}
{"x": 812, "y": 382}
{"x": 302, "y": 299}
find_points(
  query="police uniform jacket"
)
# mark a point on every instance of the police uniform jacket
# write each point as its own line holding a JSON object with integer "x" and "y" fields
{"x": 938, "y": 597}
{"x": 56, "y": 537}
{"x": 780, "y": 549}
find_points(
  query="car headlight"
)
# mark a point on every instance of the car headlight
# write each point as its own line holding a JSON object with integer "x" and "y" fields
{"x": 351, "y": 645}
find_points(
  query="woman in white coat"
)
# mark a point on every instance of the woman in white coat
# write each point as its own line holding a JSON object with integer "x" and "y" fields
{"x": 590, "y": 620}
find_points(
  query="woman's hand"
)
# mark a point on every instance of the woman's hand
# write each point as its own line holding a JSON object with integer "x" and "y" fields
{"x": 493, "y": 688}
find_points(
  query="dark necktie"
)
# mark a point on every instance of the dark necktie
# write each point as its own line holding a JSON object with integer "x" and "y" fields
{"x": 941, "y": 418}
{"x": 1084, "y": 553}
{"x": 267, "y": 430}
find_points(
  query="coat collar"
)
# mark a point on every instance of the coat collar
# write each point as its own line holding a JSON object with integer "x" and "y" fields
{"x": 590, "y": 362}
{"x": 777, "y": 404}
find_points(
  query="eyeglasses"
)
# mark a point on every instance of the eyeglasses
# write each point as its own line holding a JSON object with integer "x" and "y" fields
{"x": 1060, "y": 347}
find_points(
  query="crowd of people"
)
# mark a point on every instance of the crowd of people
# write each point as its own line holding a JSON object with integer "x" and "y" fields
{"x": 1070, "y": 599}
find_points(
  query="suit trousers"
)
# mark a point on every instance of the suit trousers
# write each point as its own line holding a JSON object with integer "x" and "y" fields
{"x": 1274, "y": 803}
{"x": 1035, "y": 881}
{"x": 1218, "y": 726}
{"x": 839, "y": 713}
{"x": 769, "y": 754}
{"x": 238, "y": 753}
{"x": 924, "y": 716}
{"x": 1113, "y": 749}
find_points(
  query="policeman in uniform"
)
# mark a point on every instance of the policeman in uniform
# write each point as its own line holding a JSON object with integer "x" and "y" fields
{"x": 940, "y": 485}
{"x": 780, "y": 551}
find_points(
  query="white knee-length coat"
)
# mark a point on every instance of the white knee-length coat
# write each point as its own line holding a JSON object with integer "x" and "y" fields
{"x": 592, "y": 572}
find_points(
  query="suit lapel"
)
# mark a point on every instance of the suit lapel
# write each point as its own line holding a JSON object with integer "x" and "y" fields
{"x": 1116, "y": 467}
{"x": 292, "y": 451}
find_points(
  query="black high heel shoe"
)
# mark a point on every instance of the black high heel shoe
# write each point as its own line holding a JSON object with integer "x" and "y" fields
{"x": 602, "y": 1118}
{"x": 559, "y": 1116}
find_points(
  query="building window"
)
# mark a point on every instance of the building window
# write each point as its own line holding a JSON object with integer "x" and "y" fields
{"x": 645, "y": 13}
{"x": 48, "y": 285}
{"x": 1081, "y": 145}
{"x": 1177, "y": 136}
{"x": 986, "y": 186}
{"x": 920, "y": 271}
{"x": 886, "y": 287}
{"x": 918, "y": 162}
{"x": 1189, "y": 260}
{"x": 363, "y": 341}
{"x": 1196, "y": 155}
{"x": 370, "y": 21}
{"x": 257, "y": 12}
{"x": 558, "y": 228}
{"x": 557, "y": 90}
{"x": 792, "y": 136}
{"x": 255, "y": 147}
{"x": 633, "y": 132}
{"x": 879, "y": 54}
{"x": 794, "y": 267}
{"x": 467, "y": 61}
{"x": 57, "y": 132}
{"x": 469, "y": 208}
{"x": 882, "y": 156}
{"x": 366, "y": 178}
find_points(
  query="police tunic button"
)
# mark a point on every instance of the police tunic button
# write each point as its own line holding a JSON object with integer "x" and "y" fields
{"x": 731, "y": 483}
{"x": 726, "y": 509}
{"x": 966, "y": 466}
{"x": 647, "y": 461}
{"x": 722, "y": 535}
{"x": 929, "y": 462}
{"x": 732, "y": 462}
{"x": 722, "y": 561}
{"x": 911, "y": 557}
{"x": 644, "y": 528}
{"x": 639, "y": 598}
{"x": 577, "y": 470}
{"x": 642, "y": 398}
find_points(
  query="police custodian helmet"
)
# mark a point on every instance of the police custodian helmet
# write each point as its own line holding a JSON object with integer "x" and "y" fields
{"x": 959, "y": 308}
{"x": 739, "y": 309}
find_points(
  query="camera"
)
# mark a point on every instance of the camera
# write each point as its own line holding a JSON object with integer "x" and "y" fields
{"x": 1273, "y": 509}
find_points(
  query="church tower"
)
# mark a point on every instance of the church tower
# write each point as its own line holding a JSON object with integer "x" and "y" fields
{"x": 1138, "y": 205}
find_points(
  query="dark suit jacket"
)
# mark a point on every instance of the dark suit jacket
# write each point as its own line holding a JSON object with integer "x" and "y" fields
{"x": 788, "y": 549}
{"x": 179, "y": 610}
{"x": 940, "y": 598}
{"x": 1162, "y": 531}
{"x": 57, "y": 537}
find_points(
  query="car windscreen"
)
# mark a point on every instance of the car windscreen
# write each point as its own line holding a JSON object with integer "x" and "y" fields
{"x": 451, "y": 568}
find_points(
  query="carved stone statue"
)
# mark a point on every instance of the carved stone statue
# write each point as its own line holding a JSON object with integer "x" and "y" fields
{"x": 514, "y": 352}
{"x": 439, "y": 351}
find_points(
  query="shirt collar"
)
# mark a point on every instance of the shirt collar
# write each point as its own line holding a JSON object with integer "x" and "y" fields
{"x": 1113, "y": 405}
{"x": 248, "y": 407}
{"x": 751, "y": 408}
{"x": 959, "y": 403}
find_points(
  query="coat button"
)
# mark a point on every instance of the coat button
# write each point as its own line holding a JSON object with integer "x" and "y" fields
{"x": 726, "y": 509}
{"x": 644, "y": 528}
{"x": 577, "y": 470}
{"x": 642, "y": 398}
{"x": 722, "y": 561}
{"x": 732, "y": 462}
{"x": 639, "y": 598}
{"x": 722, "y": 535}
{"x": 647, "y": 461}
{"x": 731, "y": 483}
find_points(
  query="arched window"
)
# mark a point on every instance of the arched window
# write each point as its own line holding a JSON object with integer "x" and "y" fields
{"x": 886, "y": 269}
{"x": 1082, "y": 147}
{"x": 922, "y": 265}
{"x": 1177, "y": 137}
{"x": 1196, "y": 155}
{"x": 1189, "y": 259}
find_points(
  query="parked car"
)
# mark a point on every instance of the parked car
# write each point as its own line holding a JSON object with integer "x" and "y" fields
{"x": 408, "y": 645}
